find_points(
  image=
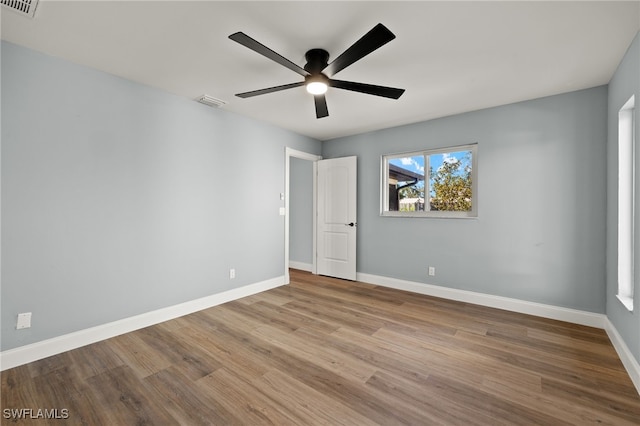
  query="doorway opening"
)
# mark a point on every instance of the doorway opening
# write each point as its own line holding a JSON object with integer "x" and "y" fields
{"x": 300, "y": 207}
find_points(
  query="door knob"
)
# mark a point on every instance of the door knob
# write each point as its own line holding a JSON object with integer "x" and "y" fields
{"x": 351, "y": 224}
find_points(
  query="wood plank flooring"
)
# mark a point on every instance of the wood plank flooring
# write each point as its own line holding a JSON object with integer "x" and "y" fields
{"x": 330, "y": 352}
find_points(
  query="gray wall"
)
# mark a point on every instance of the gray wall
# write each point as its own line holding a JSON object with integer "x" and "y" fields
{"x": 540, "y": 231}
{"x": 624, "y": 84}
{"x": 118, "y": 199}
{"x": 301, "y": 211}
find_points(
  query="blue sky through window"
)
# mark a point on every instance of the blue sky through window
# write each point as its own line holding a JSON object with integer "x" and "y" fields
{"x": 413, "y": 163}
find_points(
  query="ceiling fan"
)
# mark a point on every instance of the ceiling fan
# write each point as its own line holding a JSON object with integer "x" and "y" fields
{"x": 317, "y": 71}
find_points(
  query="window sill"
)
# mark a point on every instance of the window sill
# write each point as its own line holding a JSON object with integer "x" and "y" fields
{"x": 433, "y": 215}
{"x": 626, "y": 301}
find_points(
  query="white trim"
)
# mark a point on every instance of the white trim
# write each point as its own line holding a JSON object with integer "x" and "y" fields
{"x": 302, "y": 266}
{"x": 626, "y": 301}
{"x": 515, "y": 305}
{"x": 288, "y": 153}
{"x": 626, "y": 202}
{"x": 314, "y": 246}
{"x": 39, "y": 350}
{"x": 627, "y": 358}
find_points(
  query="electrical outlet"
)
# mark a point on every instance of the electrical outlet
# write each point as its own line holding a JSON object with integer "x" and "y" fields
{"x": 432, "y": 271}
{"x": 232, "y": 273}
{"x": 24, "y": 321}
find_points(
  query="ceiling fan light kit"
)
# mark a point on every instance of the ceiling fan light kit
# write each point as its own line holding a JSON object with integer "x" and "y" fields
{"x": 318, "y": 70}
{"x": 317, "y": 84}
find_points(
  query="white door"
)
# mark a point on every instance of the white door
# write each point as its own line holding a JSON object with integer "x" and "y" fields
{"x": 336, "y": 243}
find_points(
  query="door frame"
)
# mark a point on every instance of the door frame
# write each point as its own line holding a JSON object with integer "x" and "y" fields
{"x": 290, "y": 152}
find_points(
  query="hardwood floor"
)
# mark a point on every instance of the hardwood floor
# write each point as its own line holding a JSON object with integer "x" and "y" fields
{"x": 332, "y": 352}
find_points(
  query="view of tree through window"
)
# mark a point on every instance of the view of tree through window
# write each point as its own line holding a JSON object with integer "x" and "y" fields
{"x": 431, "y": 181}
{"x": 450, "y": 181}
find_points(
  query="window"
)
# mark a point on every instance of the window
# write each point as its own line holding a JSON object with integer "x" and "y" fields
{"x": 432, "y": 183}
{"x": 626, "y": 203}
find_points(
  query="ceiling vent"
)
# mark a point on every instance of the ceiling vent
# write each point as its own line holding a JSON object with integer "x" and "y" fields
{"x": 23, "y": 7}
{"x": 211, "y": 101}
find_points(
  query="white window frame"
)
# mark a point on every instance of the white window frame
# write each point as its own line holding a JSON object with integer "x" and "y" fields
{"x": 626, "y": 202}
{"x": 384, "y": 185}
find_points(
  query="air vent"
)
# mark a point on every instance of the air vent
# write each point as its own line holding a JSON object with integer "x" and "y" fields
{"x": 211, "y": 101}
{"x": 23, "y": 7}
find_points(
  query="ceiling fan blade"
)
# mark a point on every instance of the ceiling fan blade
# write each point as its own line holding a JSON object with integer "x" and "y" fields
{"x": 321, "y": 106}
{"x": 260, "y": 48}
{"x": 269, "y": 90}
{"x": 377, "y": 37}
{"x": 370, "y": 89}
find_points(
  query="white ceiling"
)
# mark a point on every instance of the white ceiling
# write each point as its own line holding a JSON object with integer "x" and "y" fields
{"x": 451, "y": 57}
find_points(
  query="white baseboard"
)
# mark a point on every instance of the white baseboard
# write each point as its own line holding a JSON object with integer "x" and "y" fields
{"x": 515, "y": 305}
{"x": 300, "y": 266}
{"x": 627, "y": 358}
{"x": 39, "y": 350}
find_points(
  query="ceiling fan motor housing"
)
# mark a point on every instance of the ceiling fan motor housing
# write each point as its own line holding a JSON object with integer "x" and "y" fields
{"x": 317, "y": 60}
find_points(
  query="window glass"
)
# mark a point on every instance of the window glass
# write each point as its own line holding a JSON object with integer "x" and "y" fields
{"x": 406, "y": 183}
{"x": 450, "y": 181}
